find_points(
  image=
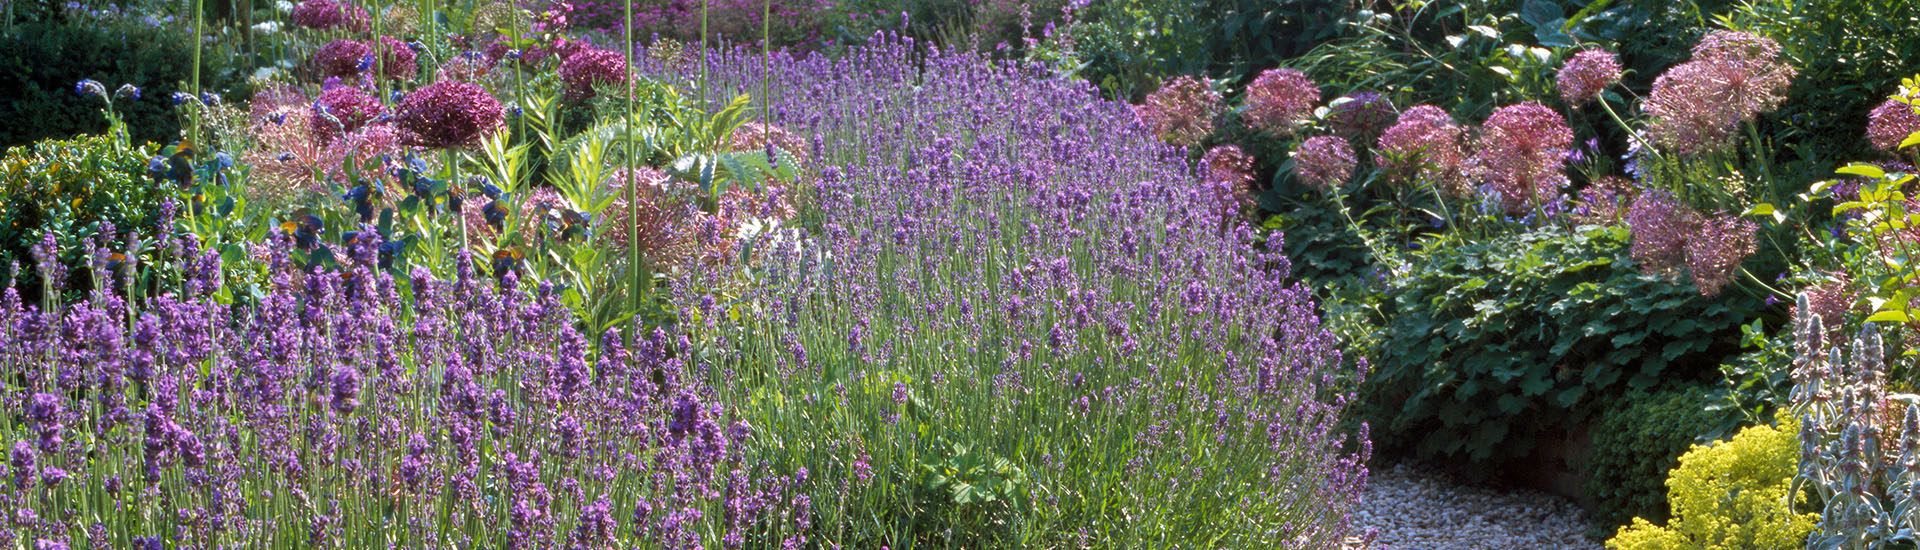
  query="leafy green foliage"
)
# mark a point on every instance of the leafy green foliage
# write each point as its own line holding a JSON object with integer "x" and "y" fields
{"x": 1126, "y": 46}
{"x": 1851, "y": 54}
{"x": 1492, "y": 341}
{"x": 1729, "y": 496}
{"x": 67, "y": 188}
{"x": 40, "y": 62}
{"x": 1637, "y": 440}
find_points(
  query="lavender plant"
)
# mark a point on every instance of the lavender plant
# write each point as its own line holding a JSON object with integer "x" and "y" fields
{"x": 1021, "y": 321}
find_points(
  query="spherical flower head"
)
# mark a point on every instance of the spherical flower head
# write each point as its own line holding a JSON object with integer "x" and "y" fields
{"x": 1279, "y": 101}
{"x": 586, "y": 68}
{"x": 1323, "y": 161}
{"x": 1361, "y": 115}
{"x": 1587, "y": 74}
{"x": 1715, "y": 250}
{"x": 756, "y": 137}
{"x": 1520, "y": 153}
{"x": 342, "y": 58}
{"x": 397, "y": 60}
{"x": 340, "y": 110}
{"x": 1733, "y": 77}
{"x": 661, "y": 216}
{"x": 1227, "y": 172}
{"x": 1890, "y": 123}
{"x": 1182, "y": 111}
{"x": 1605, "y": 200}
{"x": 326, "y": 14}
{"x": 1424, "y": 144}
{"x": 1661, "y": 227}
{"x": 448, "y": 114}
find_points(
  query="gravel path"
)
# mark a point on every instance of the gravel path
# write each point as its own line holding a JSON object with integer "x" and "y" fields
{"x": 1420, "y": 509}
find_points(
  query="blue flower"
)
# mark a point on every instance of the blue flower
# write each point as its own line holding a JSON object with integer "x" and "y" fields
{"x": 127, "y": 92}
{"x": 90, "y": 87}
{"x": 210, "y": 98}
{"x": 223, "y": 160}
{"x": 180, "y": 98}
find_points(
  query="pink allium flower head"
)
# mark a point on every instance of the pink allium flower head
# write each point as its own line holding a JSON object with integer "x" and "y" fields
{"x": 758, "y": 136}
{"x": 1587, "y": 74}
{"x": 588, "y": 67}
{"x": 1520, "y": 153}
{"x": 1426, "y": 144}
{"x": 448, "y": 114}
{"x": 663, "y": 215}
{"x": 1696, "y": 106}
{"x": 342, "y": 109}
{"x": 1661, "y": 227}
{"x": 1360, "y": 115}
{"x": 1227, "y": 172}
{"x": 327, "y": 14}
{"x": 1715, "y": 251}
{"x": 1605, "y": 200}
{"x": 1182, "y": 111}
{"x": 1279, "y": 100}
{"x": 470, "y": 67}
{"x": 1832, "y": 300}
{"x": 397, "y": 60}
{"x": 1891, "y": 123}
{"x": 342, "y": 58}
{"x": 1323, "y": 161}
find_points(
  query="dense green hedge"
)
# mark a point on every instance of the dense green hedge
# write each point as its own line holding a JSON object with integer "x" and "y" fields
{"x": 41, "y": 61}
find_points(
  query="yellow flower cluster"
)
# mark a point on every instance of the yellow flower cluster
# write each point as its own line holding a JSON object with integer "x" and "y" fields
{"x": 1731, "y": 495}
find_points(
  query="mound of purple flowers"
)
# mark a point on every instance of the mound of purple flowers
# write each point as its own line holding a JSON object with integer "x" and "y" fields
{"x": 327, "y": 14}
{"x": 589, "y": 67}
{"x": 341, "y": 110}
{"x": 343, "y": 58}
{"x": 448, "y": 114}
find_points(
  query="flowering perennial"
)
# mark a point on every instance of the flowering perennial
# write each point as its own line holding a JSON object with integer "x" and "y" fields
{"x": 1733, "y": 77}
{"x": 1424, "y": 144}
{"x": 448, "y": 114}
{"x": 1280, "y": 100}
{"x": 1521, "y": 154}
{"x": 589, "y": 67}
{"x": 1324, "y": 161}
{"x": 1182, "y": 111}
{"x": 1890, "y": 123}
{"x": 1587, "y": 74}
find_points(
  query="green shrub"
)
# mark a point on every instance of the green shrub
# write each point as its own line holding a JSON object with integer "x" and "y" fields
{"x": 1492, "y": 342}
{"x": 1129, "y": 46}
{"x": 67, "y": 188}
{"x": 1732, "y": 495}
{"x": 1637, "y": 439}
{"x": 40, "y": 63}
{"x": 1851, "y": 55}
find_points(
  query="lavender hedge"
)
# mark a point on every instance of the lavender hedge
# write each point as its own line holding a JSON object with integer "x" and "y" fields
{"x": 1019, "y": 321}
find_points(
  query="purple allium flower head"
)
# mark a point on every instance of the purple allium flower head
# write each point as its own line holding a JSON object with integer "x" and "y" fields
{"x": 1279, "y": 100}
{"x": 1425, "y": 144}
{"x": 1732, "y": 78}
{"x": 448, "y": 114}
{"x": 1324, "y": 161}
{"x": 590, "y": 67}
{"x": 1661, "y": 226}
{"x": 1520, "y": 154}
{"x": 1586, "y": 74}
{"x": 1228, "y": 173}
{"x": 1715, "y": 250}
{"x": 1360, "y": 115}
{"x": 1890, "y": 123}
{"x": 397, "y": 60}
{"x": 342, "y": 58}
{"x": 342, "y": 110}
{"x": 1181, "y": 111}
{"x": 327, "y": 14}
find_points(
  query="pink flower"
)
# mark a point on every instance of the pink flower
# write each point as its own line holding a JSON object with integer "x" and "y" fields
{"x": 326, "y": 14}
{"x": 589, "y": 67}
{"x": 1587, "y": 74}
{"x": 1520, "y": 153}
{"x": 1668, "y": 234}
{"x": 397, "y": 60}
{"x": 342, "y": 109}
{"x": 343, "y": 58}
{"x": 1227, "y": 173}
{"x": 448, "y": 114}
{"x": 1279, "y": 100}
{"x": 1715, "y": 251}
{"x": 1426, "y": 144}
{"x": 1182, "y": 111}
{"x": 662, "y": 218}
{"x": 1890, "y": 123}
{"x": 1696, "y": 106}
{"x": 1323, "y": 161}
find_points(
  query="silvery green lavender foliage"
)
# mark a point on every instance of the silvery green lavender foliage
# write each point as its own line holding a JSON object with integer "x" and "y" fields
{"x": 1021, "y": 322}
{"x": 1858, "y": 445}
{"x": 350, "y": 410}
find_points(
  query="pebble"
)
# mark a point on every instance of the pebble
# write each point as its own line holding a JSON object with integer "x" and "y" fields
{"x": 1418, "y": 508}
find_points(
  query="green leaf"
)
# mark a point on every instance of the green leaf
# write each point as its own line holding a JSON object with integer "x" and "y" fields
{"x": 1888, "y": 316}
{"x": 1862, "y": 170}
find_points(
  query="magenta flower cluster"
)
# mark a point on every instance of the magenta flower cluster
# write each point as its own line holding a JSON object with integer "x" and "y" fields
{"x": 1425, "y": 144}
{"x": 1521, "y": 154}
{"x": 1279, "y": 101}
{"x": 1697, "y": 106}
{"x": 1227, "y": 172}
{"x": 1587, "y": 74}
{"x": 328, "y": 14}
{"x": 1891, "y": 123}
{"x": 587, "y": 68}
{"x": 1668, "y": 234}
{"x": 448, "y": 114}
{"x": 340, "y": 110}
{"x": 1323, "y": 162}
{"x": 1182, "y": 111}
{"x": 343, "y": 58}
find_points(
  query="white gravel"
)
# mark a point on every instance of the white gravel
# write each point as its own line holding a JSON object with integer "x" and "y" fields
{"x": 1417, "y": 508}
